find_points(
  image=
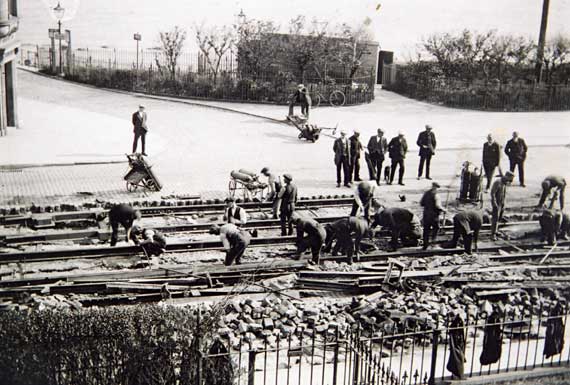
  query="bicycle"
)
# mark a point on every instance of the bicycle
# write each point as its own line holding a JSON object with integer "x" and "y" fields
{"x": 337, "y": 98}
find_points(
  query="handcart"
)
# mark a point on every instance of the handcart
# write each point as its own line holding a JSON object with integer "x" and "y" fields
{"x": 140, "y": 174}
{"x": 470, "y": 190}
{"x": 310, "y": 132}
{"x": 247, "y": 184}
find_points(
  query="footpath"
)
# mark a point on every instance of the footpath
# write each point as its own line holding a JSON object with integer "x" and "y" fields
{"x": 80, "y": 135}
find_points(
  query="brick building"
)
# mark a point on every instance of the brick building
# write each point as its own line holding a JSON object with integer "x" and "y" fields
{"x": 9, "y": 47}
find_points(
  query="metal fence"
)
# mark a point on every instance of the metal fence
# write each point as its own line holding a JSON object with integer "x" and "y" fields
{"x": 492, "y": 96}
{"x": 194, "y": 77}
{"x": 407, "y": 354}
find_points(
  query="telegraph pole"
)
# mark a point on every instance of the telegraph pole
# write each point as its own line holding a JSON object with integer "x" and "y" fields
{"x": 541, "y": 40}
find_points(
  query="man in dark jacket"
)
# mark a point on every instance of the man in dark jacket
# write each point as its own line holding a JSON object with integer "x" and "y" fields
{"x": 427, "y": 143}
{"x": 124, "y": 215}
{"x": 355, "y": 150}
{"x": 516, "y": 151}
{"x": 402, "y": 223}
{"x": 288, "y": 197}
{"x": 491, "y": 158}
{"x": 341, "y": 148}
{"x": 398, "y": 147}
{"x": 139, "y": 128}
{"x": 498, "y": 200}
{"x": 432, "y": 209}
{"x": 343, "y": 232}
{"x": 554, "y": 183}
{"x": 301, "y": 97}
{"x": 377, "y": 147}
{"x": 466, "y": 224}
{"x": 315, "y": 239}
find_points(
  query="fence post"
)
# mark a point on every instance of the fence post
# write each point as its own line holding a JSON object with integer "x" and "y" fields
{"x": 434, "y": 343}
{"x": 356, "y": 372}
{"x": 335, "y": 359}
{"x": 251, "y": 367}
{"x": 199, "y": 352}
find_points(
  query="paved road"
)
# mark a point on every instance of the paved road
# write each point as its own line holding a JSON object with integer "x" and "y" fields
{"x": 194, "y": 148}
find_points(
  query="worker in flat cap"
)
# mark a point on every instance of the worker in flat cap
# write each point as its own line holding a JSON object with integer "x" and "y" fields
{"x": 355, "y": 151}
{"x": 466, "y": 225}
{"x": 377, "y": 148}
{"x": 288, "y": 198}
{"x": 341, "y": 148}
{"x": 314, "y": 239}
{"x": 498, "y": 198}
{"x": 274, "y": 183}
{"x": 397, "y": 148}
{"x": 300, "y": 96}
{"x": 234, "y": 240}
{"x": 432, "y": 209}
{"x": 233, "y": 213}
{"x": 151, "y": 241}
{"x": 140, "y": 128}
{"x": 427, "y": 143}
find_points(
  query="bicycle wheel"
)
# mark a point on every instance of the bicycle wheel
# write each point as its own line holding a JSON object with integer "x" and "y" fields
{"x": 337, "y": 98}
{"x": 316, "y": 101}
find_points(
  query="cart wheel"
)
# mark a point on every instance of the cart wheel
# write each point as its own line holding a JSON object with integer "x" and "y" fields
{"x": 337, "y": 98}
{"x": 131, "y": 187}
{"x": 232, "y": 186}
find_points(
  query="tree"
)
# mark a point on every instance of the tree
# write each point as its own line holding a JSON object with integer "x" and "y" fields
{"x": 556, "y": 57}
{"x": 214, "y": 43}
{"x": 353, "y": 45}
{"x": 256, "y": 47}
{"x": 171, "y": 48}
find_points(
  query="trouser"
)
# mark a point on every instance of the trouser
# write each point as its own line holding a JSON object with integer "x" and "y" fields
{"x": 138, "y": 135}
{"x": 469, "y": 237}
{"x": 315, "y": 242}
{"x": 515, "y": 163}
{"x": 275, "y": 207}
{"x": 304, "y": 108}
{"x": 366, "y": 210}
{"x": 343, "y": 164}
{"x": 431, "y": 227}
{"x": 377, "y": 160}
{"x": 489, "y": 173}
{"x": 152, "y": 248}
{"x": 424, "y": 159}
{"x": 355, "y": 168}
{"x": 496, "y": 216}
{"x": 115, "y": 231}
{"x": 286, "y": 224}
{"x": 396, "y": 163}
{"x": 237, "y": 248}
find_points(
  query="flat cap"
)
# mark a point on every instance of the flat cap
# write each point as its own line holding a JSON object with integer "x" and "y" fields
{"x": 288, "y": 177}
{"x": 435, "y": 184}
{"x": 264, "y": 170}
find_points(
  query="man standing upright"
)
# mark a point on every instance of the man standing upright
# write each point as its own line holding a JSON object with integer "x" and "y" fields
{"x": 516, "y": 151}
{"x": 341, "y": 150}
{"x": 139, "y": 128}
{"x": 301, "y": 97}
{"x": 274, "y": 188}
{"x": 491, "y": 158}
{"x": 377, "y": 146}
{"x": 355, "y": 150}
{"x": 432, "y": 208}
{"x": 398, "y": 147}
{"x": 498, "y": 196}
{"x": 288, "y": 197}
{"x": 426, "y": 142}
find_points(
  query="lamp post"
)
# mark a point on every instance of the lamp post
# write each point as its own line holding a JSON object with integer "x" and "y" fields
{"x": 58, "y": 12}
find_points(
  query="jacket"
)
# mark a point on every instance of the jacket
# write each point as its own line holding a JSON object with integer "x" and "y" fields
{"x": 394, "y": 218}
{"x": 516, "y": 151}
{"x": 341, "y": 150}
{"x": 288, "y": 196}
{"x": 426, "y": 142}
{"x": 377, "y": 147}
{"x": 398, "y": 148}
{"x": 139, "y": 123}
{"x": 431, "y": 204}
{"x": 313, "y": 229}
{"x": 355, "y": 146}
{"x": 467, "y": 221}
{"x": 491, "y": 153}
{"x": 498, "y": 193}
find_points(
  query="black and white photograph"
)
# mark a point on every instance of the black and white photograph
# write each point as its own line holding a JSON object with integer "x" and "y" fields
{"x": 263, "y": 192}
